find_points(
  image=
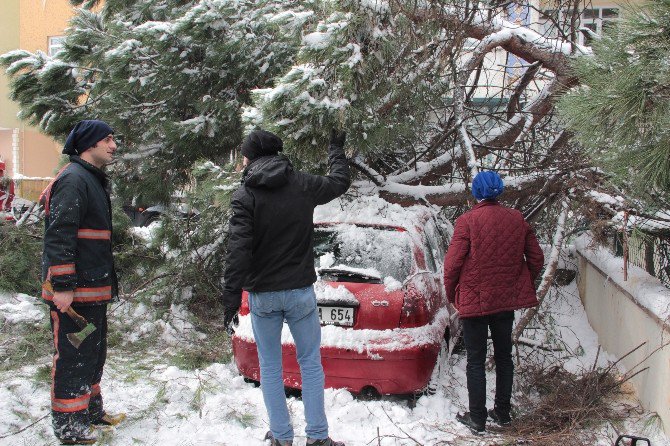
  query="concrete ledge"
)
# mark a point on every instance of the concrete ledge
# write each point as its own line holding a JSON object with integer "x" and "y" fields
{"x": 623, "y": 323}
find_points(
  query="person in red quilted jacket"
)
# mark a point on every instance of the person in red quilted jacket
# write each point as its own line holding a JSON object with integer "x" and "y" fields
{"x": 489, "y": 271}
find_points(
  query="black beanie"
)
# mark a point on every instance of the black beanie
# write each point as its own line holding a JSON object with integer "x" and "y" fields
{"x": 261, "y": 143}
{"x": 85, "y": 135}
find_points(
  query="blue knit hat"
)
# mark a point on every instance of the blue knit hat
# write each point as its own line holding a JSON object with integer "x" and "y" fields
{"x": 85, "y": 135}
{"x": 487, "y": 185}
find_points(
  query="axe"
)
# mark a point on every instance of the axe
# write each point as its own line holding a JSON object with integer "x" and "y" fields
{"x": 86, "y": 327}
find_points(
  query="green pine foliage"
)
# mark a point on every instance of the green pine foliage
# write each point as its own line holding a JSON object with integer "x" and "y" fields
{"x": 622, "y": 110}
{"x": 20, "y": 258}
{"x": 170, "y": 76}
{"x": 193, "y": 241}
{"x": 365, "y": 68}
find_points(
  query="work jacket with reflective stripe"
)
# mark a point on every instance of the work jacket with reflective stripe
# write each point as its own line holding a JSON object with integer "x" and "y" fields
{"x": 78, "y": 235}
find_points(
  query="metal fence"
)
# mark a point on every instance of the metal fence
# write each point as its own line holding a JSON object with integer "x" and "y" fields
{"x": 649, "y": 251}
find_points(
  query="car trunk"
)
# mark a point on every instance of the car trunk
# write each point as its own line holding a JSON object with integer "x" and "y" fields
{"x": 374, "y": 307}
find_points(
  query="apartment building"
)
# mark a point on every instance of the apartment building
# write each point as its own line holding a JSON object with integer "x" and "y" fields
{"x": 33, "y": 25}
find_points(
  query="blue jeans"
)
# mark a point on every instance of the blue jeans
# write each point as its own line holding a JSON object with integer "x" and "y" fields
{"x": 298, "y": 308}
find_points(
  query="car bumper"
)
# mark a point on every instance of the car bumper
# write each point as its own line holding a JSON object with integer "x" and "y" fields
{"x": 395, "y": 362}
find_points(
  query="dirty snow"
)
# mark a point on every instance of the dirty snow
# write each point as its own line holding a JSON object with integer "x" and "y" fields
{"x": 168, "y": 406}
{"x": 21, "y": 309}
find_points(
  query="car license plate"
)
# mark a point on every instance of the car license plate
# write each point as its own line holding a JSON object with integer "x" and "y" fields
{"x": 336, "y": 316}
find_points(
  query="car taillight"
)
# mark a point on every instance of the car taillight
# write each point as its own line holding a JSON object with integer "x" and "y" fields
{"x": 244, "y": 307}
{"x": 415, "y": 312}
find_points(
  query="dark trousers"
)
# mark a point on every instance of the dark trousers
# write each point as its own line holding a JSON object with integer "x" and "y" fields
{"x": 75, "y": 386}
{"x": 475, "y": 334}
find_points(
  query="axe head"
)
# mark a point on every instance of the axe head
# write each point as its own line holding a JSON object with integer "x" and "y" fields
{"x": 77, "y": 338}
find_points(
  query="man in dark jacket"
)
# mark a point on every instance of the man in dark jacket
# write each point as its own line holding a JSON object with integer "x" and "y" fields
{"x": 489, "y": 271}
{"x": 78, "y": 272}
{"x": 270, "y": 254}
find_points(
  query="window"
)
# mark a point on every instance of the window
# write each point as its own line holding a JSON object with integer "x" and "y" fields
{"x": 383, "y": 251}
{"x": 595, "y": 19}
{"x": 55, "y": 44}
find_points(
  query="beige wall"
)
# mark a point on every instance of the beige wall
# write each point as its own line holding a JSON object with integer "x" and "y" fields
{"x": 622, "y": 324}
{"x": 39, "y": 154}
{"x": 9, "y": 40}
{"x": 6, "y": 150}
{"x": 28, "y": 24}
{"x": 40, "y": 20}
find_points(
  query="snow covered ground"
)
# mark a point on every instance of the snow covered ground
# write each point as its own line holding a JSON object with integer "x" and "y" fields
{"x": 167, "y": 405}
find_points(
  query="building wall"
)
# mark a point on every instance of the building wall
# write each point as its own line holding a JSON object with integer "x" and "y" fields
{"x": 40, "y": 154}
{"x": 6, "y": 149}
{"x": 40, "y": 19}
{"x": 28, "y": 24}
{"x": 9, "y": 40}
{"x": 623, "y": 324}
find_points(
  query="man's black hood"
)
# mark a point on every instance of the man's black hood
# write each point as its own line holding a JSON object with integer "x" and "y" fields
{"x": 270, "y": 172}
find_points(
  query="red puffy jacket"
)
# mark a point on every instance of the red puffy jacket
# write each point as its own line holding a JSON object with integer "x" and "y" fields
{"x": 492, "y": 261}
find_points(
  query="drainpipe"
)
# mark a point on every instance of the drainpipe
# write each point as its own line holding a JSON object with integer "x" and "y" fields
{"x": 15, "y": 153}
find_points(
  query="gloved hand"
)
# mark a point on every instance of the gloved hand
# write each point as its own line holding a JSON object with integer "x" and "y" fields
{"x": 230, "y": 321}
{"x": 337, "y": 137}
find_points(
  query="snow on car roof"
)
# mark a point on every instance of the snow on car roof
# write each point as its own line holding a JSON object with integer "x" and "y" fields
{"x": 373, "y": 210}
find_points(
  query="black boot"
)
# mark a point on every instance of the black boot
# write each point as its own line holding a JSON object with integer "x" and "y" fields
{"x": 325, "y": 442}
{"x": 73, "y": 428}
{"x": 476, "y": 427}
{"x": 275, "y": 442}
{"x": 500, "y": 419}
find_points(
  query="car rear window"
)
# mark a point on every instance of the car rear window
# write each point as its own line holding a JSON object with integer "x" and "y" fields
{"x": 385, "y": 250}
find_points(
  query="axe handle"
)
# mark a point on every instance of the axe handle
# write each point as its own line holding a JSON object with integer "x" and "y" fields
{"x": 78, "y": 318}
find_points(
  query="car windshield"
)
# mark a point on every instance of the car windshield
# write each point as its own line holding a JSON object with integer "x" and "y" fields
{"x": 375, "y": 250}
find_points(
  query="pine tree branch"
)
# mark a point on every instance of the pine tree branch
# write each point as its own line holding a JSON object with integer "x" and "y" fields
{"x": 358, "y": 163}
{"x": 549, "y": 272}
{"x": 455, "y": 194}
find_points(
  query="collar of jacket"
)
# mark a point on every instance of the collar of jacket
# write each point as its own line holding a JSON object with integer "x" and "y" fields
{"x": 260, "y": 161}
{"x": 273, "y": 167}
{"x": 488, "y": 202}
{"x": 99, "y": 174}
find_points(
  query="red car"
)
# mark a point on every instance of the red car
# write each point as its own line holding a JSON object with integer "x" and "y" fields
{"x": 381, "y": 300}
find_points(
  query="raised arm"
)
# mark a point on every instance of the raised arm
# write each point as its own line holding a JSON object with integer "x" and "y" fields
{"x": 338, "y": 180}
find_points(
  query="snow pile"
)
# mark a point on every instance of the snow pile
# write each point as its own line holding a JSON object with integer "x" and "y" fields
{"x": 146, "y": 233}
{"x": 371, "y": 209}
{"x": 326, "y": 294}
{"x": 647, "y": 290}
{"x": 20, "y": 309}
{"x": 174, "y": 407}
{"x": 174, "y": 326}
{"x": 390, "y": 284}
